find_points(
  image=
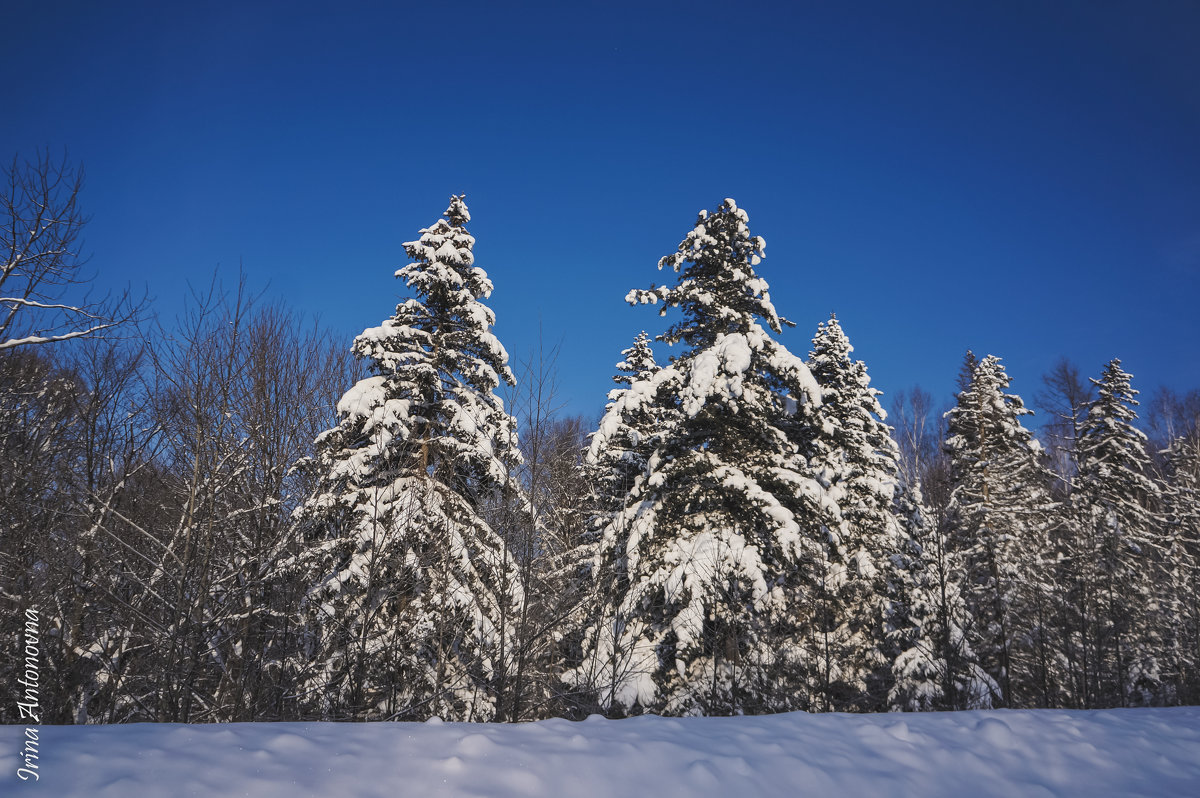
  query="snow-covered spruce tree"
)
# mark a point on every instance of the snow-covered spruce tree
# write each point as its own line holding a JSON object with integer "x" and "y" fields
{"x": 616, "y": 456}
{"x": 933, "y": 667}
{"x": 1119, "y": 550}
{"x": 857, "y": 462}
{"x": 998, "y": 525}
{"x": 1179, "y": 599}
{"x": 725, "y": 531}
{"x": 412, "y": 592}
{"x": 619, "y": 449}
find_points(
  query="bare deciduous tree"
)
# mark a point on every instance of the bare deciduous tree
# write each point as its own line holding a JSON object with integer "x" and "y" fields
{"x": 1064, "y": 399}
{"x": 187, "y": 579}
{"x": 41, "y": 263}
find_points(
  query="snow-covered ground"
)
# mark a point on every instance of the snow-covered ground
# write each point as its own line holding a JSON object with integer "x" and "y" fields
{"x": 1150, "y": 752}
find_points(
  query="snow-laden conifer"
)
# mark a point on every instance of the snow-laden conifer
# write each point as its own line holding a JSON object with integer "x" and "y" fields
{"x": 616, "y": 456}
{"x": 856, "y": 460}
{"x": 412, "y": 592}
{"x": 723, "y": 531}
{"x": 618, "y": 450}
{"x": 1178, "y": 596}
{"x": 998, "y": 524}
{"x": 1121, "y": 542}
{"x": 933, "y": 665}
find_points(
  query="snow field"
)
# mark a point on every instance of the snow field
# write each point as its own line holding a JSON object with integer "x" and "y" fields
{"x": 1134, "y": 752}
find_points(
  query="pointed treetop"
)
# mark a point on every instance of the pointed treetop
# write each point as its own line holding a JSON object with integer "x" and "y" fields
{"x": 445, "y": 314}
{"x": 443, "y": 256}
{"x": 988, "y": 373}
{"x": 967, "y": 372}
{"x": 831, "y": 340}
{"x": 983, "y": 404}
{"x": 457, "y": 213}
{"x": 1115, "y": 385}
{"x": 842, "y": 378}
{"x": 718, "y": 290}
{"x": 638, "y": 362}
{"x": 1109, "y": 439}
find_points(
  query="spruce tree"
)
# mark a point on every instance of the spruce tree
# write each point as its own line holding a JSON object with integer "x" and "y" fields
{"x": 998, "y": 525}
{"x": 618, "y": 450}
{"x": 853, "y": 453}
{"x": 1178, "y": 597}
{"x": 724, "y": 531}
{"x": 616, "y": 456}
{"x": 1121, "y": 545}
{"x": 933, "y": 665}
{"x": 412, "y": 593}
{"x": 966, "y": 371}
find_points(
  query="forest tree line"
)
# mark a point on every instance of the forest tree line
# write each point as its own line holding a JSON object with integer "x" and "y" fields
{"x": 236, "y": 519}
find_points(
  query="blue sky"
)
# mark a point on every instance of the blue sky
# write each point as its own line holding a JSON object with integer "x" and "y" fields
{"x": 1020, "y": 178}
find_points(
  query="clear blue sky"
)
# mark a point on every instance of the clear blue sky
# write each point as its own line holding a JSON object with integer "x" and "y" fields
{"x": 1021, "y": 178}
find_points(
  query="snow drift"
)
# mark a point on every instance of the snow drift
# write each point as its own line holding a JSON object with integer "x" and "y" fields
{"x": 1149, "y": 752}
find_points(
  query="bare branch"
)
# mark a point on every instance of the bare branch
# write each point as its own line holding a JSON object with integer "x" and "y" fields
{"x": 51, "y": 339}
{"x": 41, "y": 261}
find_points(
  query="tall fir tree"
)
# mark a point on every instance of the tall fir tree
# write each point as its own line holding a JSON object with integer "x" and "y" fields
{"x": 619, "y": 449}
{"x": 966, "y": 371}
{"x": 616, "y": 457}
{"x": 1120, "y": 545}
{"x": 933, "y": 665}
{"x": 412, "y": 596}
{"x": 1179, "y": 598}
{"x": 998, "y": 522}
{"x": 725, "y": 530}
{"x": 858, "y": 463}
